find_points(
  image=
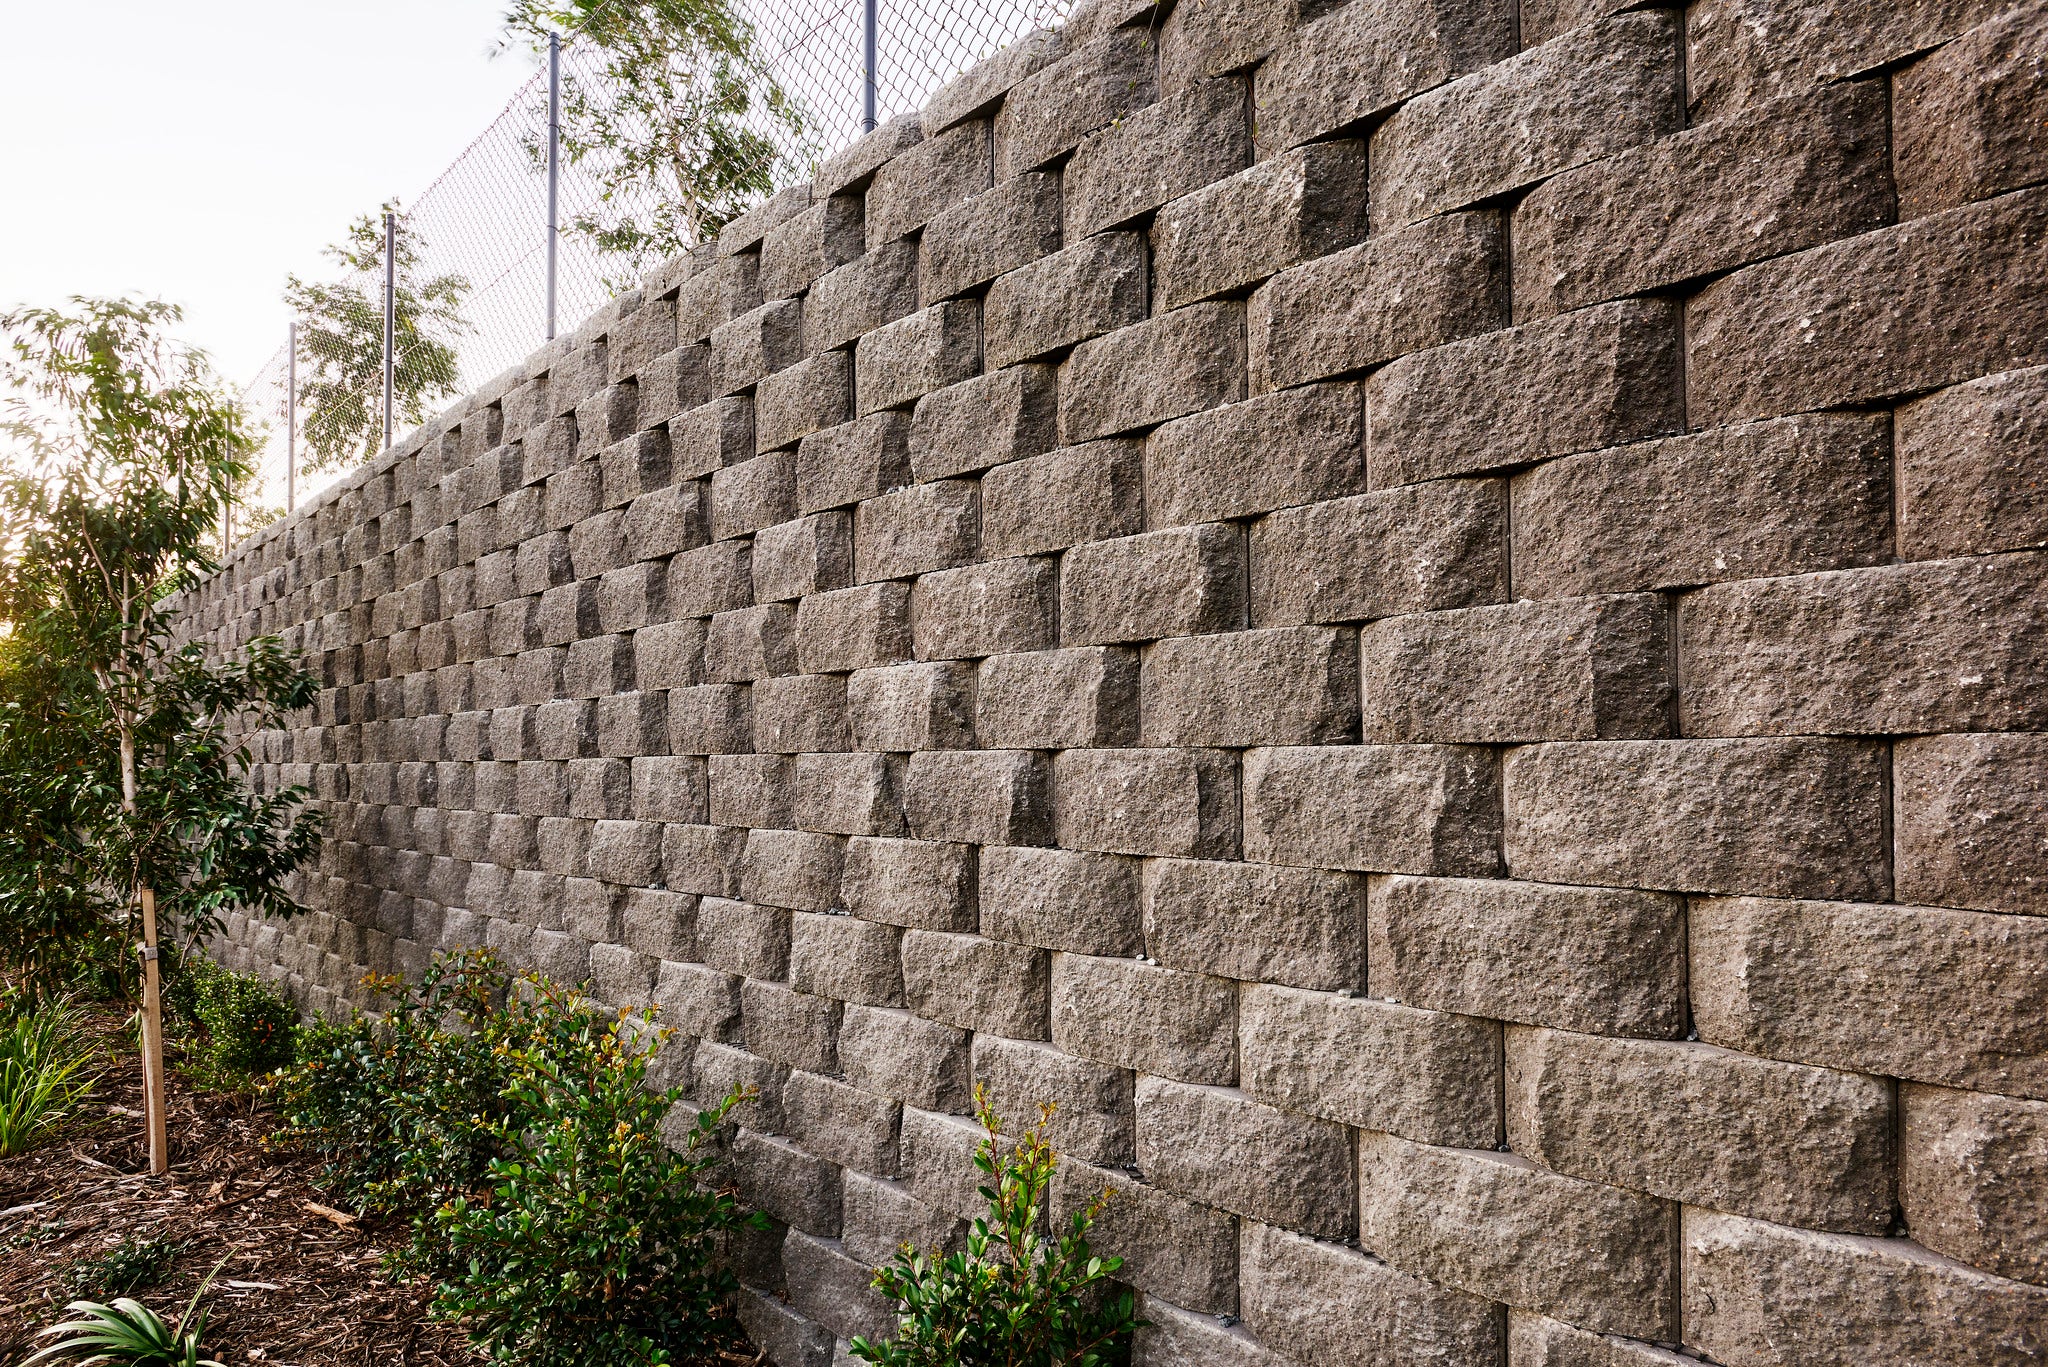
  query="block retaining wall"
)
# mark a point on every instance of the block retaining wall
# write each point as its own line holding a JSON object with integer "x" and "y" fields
{"x": 1428, "y": 613}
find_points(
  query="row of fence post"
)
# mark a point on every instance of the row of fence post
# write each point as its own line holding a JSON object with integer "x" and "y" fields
{"x": 870, "y": 40}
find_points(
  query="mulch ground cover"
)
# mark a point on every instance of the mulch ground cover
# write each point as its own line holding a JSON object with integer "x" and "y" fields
{"x": 298, "y": 1284}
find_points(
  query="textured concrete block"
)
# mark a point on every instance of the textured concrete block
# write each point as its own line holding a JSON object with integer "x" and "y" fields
{"x": 1947, "y": 997}
{"x": 1060, "y": 899}
{"x": 1763, "y": 1293}
{"x": 853, "y": 167}
{"x": 1180, "y": 582}
{"x": 1092, "y": 287}
{"x": 1062, "y": 498}
{"x": 736, "y": 937}
{"x": 794, "y": 869}
{"x": 715, "y": 719}
{"x": 1180, "y": 803}
{"x": 697, "y": 1000}
{"x": 751, "y": 790}
{"x": 800, "y": 713}
{"x": 1593, "y": 92}
{"x": 895, "y": 1053}
{"x": 855, "y": 628}
{"x": 861, "y": 296}
{"x": 1415, "y": 548}
{"x": 1598, "y": 377}
{"x": 790, "y": 1185}
{"x": 1596, "y": 960}
{"x": 860, "y": 459}
{"x": 1303, "y": 927}
{"x": 756, "y": 344}
{"x": 1134, "y": 1014}
{"x": 791, "y": 1028}
{"x": 1539, "y": 1341}
{"x": 928, "y": 885}
{"x": 1359, "y": 62}
{"x": 1971, "y": 822}
{"x": 977, "y": 984}
{"x": 1501, "y": 1227}
{"x": 822, "y": 238}
{"x": 925, "y": 179}
{"x": 1806, "y": 1146}
{"x": 710, "y": 579}
{"x": 1305, "y": 203}
{"x": 1970, "y": 116}
{"x": 668, "y": 788}
{"x": 1789, "y": 174}
{"x": 1183, "y": 1338}
{"x": 849, "y": 794}
{"x": 912, "y": 707}
{"x": 1050, "y": 111}
{"x": 1001, "y": 416}
{"x": 1324, "y": 1302}
{"x": 1792, "y": 818}
{"x": 1568, "y": 669}
{"x": 813, "y": 394}
{"x": 1138, "y": 376}
{"x": 1219, "y": 1146}
{"x": 898, "y": 363}
{"x": 986, "y": 609}
{"x": 1094, "y": 1116}
{"x": 1301, "y": 446}
{"x": 1298, "y": 685}
{"x": 1426, "y": 1075}
{"x": 1971, "y": 1171}
{"x": 1056, "y": 699}
{"x": 711, "y": 437}
{"x": 1940, "y": 299}
{"x": 843, "y": 1125}
{"x": 751, "y": 643}
{"x": 982, "y": 797}
{"x": 1967, "y": 460}
{"x": 804, "y": 556}
{"x": 1933, "y": 646}
{"x": 702, "y": 859}
{"x": 1170, "y": 1246}
{"x": 1376, "y": 808}
{"x": 1789, "y": 496}
{"x": 1156, "y": 154}
{"x": 975, "y": 241}
{"x": 915, "y": 530}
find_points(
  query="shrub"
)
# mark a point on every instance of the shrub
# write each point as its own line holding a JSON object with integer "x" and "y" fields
{"x": 1013, "y": 1298}
{"x": 516, "y": 1133}
{"x": 237, "y": 1027}
{"x": 129, "y": 1266}
{"x": 45, "y": 1058}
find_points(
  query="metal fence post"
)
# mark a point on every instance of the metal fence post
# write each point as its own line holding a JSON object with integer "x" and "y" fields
{"x": 390, "y": 313}
{"x": 554, "y": 165}
{"x": 870, "y": 23}
{"x": 291, "y": 417}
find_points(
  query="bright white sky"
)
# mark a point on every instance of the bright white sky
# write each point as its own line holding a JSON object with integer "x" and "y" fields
{"x": 198, "y": 151}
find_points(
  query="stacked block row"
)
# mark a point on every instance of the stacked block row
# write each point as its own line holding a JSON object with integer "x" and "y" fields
{"x": 1430, "y": 614}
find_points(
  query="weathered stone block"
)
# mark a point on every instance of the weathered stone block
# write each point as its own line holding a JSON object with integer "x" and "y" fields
{"x": 1056, "y": 699}
{"x": 1001, "y": 416}
{"x": 1061, "y": 899}
{"x": 1180, "y": 803}
{"x": 1092, "y": 287}
{"x": 1298, "y": 685}
{"x": 901, "y": 361}
{"x": 986, "y": 609}
{"x": 973, "y": 242}
{"x": 1062, "y": 498}
{"x": 1971, "y": 1171}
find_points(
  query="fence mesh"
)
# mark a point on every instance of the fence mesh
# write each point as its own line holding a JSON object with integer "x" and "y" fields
{"x": 471, "y": 255}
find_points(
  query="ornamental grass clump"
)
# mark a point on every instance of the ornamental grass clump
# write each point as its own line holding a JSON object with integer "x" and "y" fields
{"x": 46, "y": 1071}
{"x": 1014, "y": 1297}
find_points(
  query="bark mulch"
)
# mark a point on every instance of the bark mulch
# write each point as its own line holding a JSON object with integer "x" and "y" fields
{"x": 299, "y": 1286}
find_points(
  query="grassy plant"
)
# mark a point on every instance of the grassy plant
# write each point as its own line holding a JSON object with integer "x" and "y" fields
{"x": 1014, "y": 1297}
{"x": 126, "y": 1333}
{"x": 129, "y": 1266}
{"x": 45, "y": 1071}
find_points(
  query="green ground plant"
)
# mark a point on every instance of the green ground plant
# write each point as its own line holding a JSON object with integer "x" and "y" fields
{"x": 236, "y": 1028}
{"x": 129, "y": 1266}
{"x": 1014, "y": 1297}
{"x": 510, "y": 1123}
{"x": 126, "y": 1333}
{"x": 46, "y": 1070}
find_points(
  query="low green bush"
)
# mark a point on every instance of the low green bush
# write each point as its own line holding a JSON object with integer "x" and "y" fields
{"x": 236, "y": 1028}
{"x": 1014, "y": 1297}
{"x": 129, "y": 1266}
{"x": 512, "y": 1126}
{"x": 46, "y": 1061}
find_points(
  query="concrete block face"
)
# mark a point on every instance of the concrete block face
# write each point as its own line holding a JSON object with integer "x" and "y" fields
{"x": 1605, "y": 961}
{"x": 1179, "y": 362}
{"x": 977, "y": 240}
{"x": 1000, "y": 416}
{"x": 1092, "y": 287}
{"x": 1757, "y": 501}
{"x": 1321, "y": 1301}
{"x": 1882, "y": 311}
{"x": 1798, "y": 1145}
{"x": 1839, "y": 1296}
{"x": 1218, "y": 1146}
{"x": 1437, "y": 1212}
{"x": 1426, "y": 613}
{"x": 1812, "y": 167}
{"x": 1053, "y": 109}
{"x": 1965, "y": 457}
{"x": 1921, "y": 993}
{"x": 1909, "y": 648}
{"x": 1774, "y": 818}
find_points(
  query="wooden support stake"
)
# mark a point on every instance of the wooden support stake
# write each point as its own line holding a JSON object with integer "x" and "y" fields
{"x": 153, "y": 1042}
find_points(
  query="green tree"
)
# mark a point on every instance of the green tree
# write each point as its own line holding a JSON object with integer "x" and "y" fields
{"x": 677, "y": 123}
{"x": 341, "y": 345}
{"x": 123, "y": 778}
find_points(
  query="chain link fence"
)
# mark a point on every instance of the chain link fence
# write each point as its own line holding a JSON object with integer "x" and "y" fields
{"x": 470, "y": 255}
